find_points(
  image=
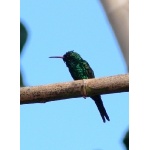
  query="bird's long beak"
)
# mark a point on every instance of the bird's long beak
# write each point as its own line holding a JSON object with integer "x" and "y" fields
{"x": 56, "y": 57}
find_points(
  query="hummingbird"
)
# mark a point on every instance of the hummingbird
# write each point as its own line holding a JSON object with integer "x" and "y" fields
{"x": 80, "y": 69}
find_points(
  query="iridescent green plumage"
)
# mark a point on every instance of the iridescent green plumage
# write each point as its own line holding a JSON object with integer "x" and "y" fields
{"x": 80, "y": 69}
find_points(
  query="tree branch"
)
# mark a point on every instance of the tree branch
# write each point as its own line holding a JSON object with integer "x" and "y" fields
{"x": 74, "y": 89}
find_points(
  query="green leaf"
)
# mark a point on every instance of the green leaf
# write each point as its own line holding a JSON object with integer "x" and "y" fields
{"x": 21, "y": 81}
{"x": 23, "y": 36}
{"x": 23, "y": 39}
{"x": 126, "y": 140}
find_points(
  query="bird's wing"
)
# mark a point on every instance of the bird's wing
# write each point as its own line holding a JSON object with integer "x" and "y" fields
{"x": 80, "y": 70}
{"x": 88, "y": 70}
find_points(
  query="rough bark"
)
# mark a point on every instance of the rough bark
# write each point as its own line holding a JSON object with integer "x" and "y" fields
{"x": 58, "y": 91}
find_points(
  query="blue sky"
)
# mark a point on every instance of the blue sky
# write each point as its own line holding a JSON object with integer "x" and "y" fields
{"x": 56, "y": 27}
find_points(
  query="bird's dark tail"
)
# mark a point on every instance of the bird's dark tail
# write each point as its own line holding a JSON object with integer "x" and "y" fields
{"x": 99, "y": 103}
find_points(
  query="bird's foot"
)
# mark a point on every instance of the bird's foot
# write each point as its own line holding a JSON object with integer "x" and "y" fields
{"x": 83, "y": 90}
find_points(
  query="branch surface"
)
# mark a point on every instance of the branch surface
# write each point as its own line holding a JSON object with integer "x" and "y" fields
{"x": 74, "y": 89}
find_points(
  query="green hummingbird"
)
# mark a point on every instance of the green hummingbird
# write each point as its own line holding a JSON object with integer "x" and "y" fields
{"x": 80, "y": 69}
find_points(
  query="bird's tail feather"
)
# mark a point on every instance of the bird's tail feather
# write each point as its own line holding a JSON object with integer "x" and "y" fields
{"x": 99, "y": 103}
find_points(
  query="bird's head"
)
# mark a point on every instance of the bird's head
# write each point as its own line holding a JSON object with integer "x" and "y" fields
{"x": 69, "y": 56}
